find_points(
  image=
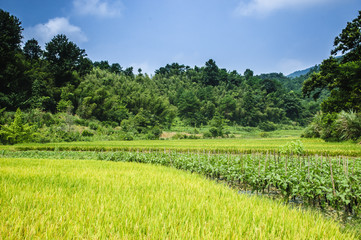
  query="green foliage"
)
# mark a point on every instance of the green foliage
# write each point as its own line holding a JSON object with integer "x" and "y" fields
{"x": 348, "y": 125}
{"x": 10, "y": 39}
{"x": 16, "y": 132}
{"x": 87, "y": 133}
{"x": 32, "y": 50}
{"x": 60, "y": 79}
{"x": 217, "y": 125}
{"x": 267, "y": 126}
{"x": 335, "y": 126}
{"x": 294, "y": 147}
{"x": 349, "y": 41}
{"x": 341, "y": 78}
{"x": 64, "y": 57}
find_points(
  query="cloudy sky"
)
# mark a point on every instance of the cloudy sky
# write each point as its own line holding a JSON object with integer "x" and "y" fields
{"x": 263, "y": 35}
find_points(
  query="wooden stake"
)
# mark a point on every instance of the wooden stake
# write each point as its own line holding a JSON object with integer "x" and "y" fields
{"x": 333, "y": 183}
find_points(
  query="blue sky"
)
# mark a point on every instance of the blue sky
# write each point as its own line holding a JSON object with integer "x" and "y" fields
{"x": 262, "y": 35}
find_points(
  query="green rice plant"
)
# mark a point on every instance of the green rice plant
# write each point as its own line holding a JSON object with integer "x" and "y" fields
{"x": 318, "y": 181}
{"x": 235, "y": 145}
{"x": 66, "y": 199}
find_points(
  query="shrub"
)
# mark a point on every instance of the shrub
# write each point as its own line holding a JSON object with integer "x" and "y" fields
{"x": 267, "y": 126}
{"x": 214, "y": 131}
{"x": 328, "y": 126}
{"x": 93, "y": 125}
{"x": 128, "y": 136}
{"x": 87, "y": 133}
{"x": 348, "y": 125}
{"x": 207, "y": 135}
{"x": 17, "y": 131}
{"x": 264, "y": 134}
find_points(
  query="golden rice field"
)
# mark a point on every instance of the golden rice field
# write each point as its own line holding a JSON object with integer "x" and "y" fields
{"x": 86, "y": 199}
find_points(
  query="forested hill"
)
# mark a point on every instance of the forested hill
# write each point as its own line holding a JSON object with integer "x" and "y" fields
{"x": 301, "y": 72}
{"x": 61, "y": 79}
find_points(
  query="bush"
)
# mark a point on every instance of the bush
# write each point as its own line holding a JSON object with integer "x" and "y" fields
{"x": 207, "y": 135}
{"x": 128, "y": 137}
{"x": 87, "y": 133}
{"x": 214, "y": 131}
{"x": 17, "y": 131}
{"x": 264, "y": 134}
{"x": 348, "y": 125}
{"x": 267, "y": 126}
{"x": 328, "y": 126}
{"x": 93, "y": 125}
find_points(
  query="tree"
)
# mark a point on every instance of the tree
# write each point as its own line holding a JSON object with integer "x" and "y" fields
{"x": 64, "y": 57}
{"x": 32, "y": 50}
{"x": 103, "y": 65}
{"x": 10, "y": 38}
{"x": 189, "y": 106}
{"x": 116, "y": 68}
{"x": 292, "y": 106}
{"x": 11, "y": 65}
{"x": 211, "y": 72}
{"x": 342, "y": 78}
{"x": 217, "y": 125}
{"x": 17, "y": 132}
{"x": 349, "y": 41}
{"x": 129, "y": 72}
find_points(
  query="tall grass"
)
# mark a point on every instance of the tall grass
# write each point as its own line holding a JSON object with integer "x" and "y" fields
{"x": 66, "y": 199}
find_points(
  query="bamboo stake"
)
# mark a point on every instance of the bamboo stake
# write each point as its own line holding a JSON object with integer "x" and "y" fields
{"x": 286, "y": 165}
{"x": 259, "y": 166}
{"x": 265, "y": 163}
{"x": 333, "y": 183}
{"x": 347, "y": 167}
{"x": 308, "y": 168}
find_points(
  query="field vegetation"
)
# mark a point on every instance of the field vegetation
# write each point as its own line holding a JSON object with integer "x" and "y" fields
{"x": 260, "y": 134}
{"x": 46, "y": 198}
{"x": 219, "y": 145}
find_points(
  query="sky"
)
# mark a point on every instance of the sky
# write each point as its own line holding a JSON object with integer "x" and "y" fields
{"x": 262, "y": 35}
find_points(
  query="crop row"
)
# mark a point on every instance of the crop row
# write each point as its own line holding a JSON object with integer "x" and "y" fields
{"x": 316, "y": 180}
{"x": 236, "y": 146}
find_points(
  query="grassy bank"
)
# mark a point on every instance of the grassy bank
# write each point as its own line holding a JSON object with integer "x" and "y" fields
{"x": 46, "y": 198}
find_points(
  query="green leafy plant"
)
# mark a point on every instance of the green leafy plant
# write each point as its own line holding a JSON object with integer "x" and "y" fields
{"x": 348, "y": 125}
{"x": 295, "y": 147}
{"x": 17, "y": 131}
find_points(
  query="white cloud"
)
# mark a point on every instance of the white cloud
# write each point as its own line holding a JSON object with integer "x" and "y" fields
{"x": 264, "y": 7}
{"x": 99, "y": 8}
{"x": 45, "y": 32}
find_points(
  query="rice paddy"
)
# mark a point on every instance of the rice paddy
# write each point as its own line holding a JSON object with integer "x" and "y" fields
{"x": 312, "y": 146}
{"x": 87, "y": 199}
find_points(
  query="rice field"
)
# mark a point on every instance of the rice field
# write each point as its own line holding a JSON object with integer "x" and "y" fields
{"x": 87, "y": 199}
{"x": 236, "y": 145}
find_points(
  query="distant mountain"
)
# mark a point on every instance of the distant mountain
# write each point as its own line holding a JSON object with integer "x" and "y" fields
{"x": 301, "y": 72}
{"x": 307, "y": 70}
